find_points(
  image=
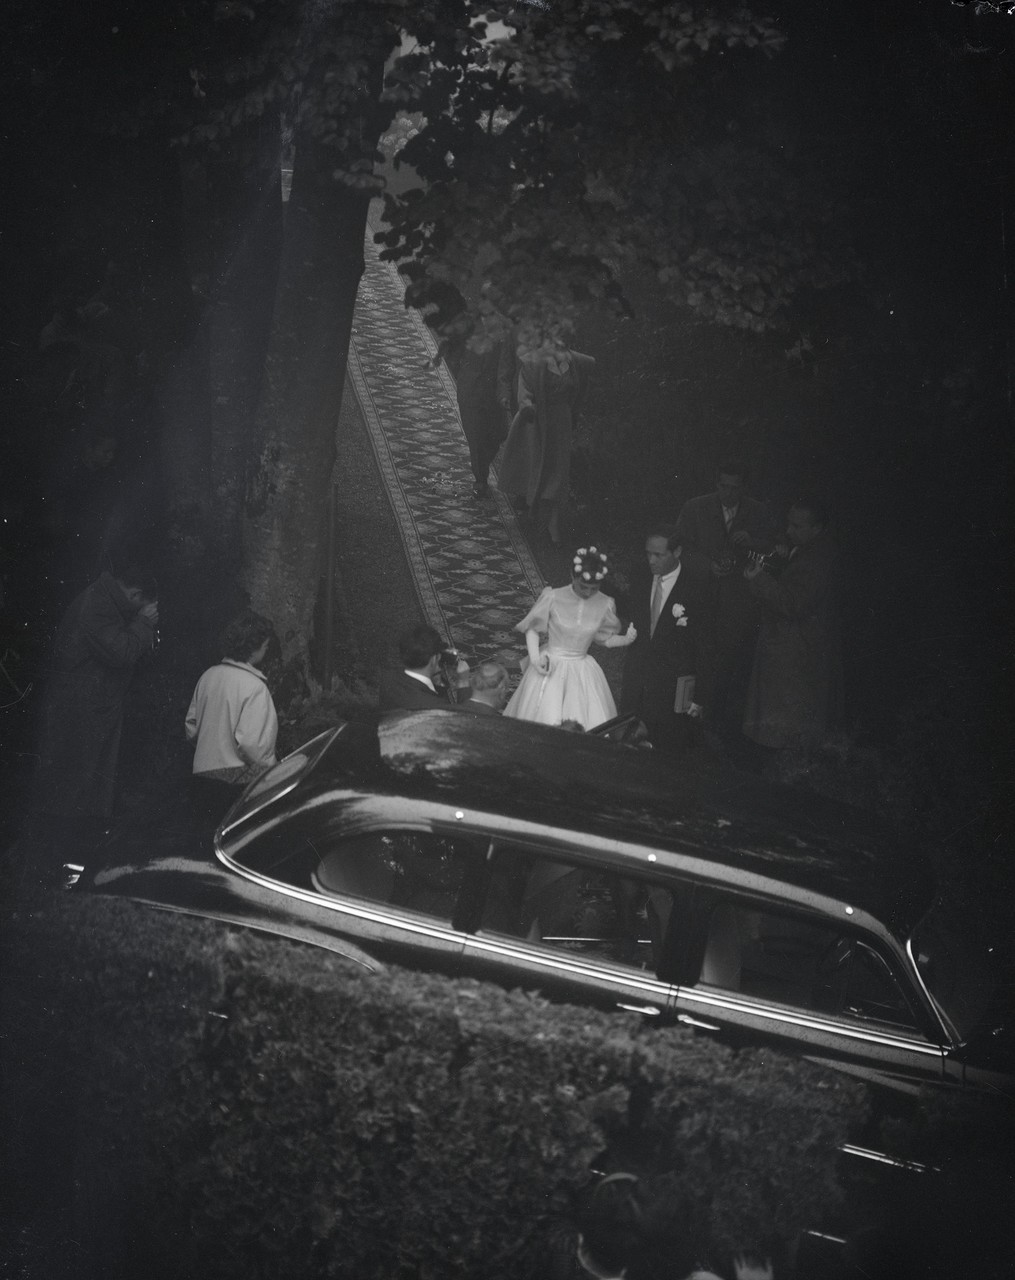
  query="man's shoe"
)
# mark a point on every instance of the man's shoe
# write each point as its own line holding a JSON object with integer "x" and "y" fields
{"x": 480, "y": 490}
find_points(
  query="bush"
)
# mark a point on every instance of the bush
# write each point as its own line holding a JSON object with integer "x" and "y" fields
{"x": 217, "y": 1103}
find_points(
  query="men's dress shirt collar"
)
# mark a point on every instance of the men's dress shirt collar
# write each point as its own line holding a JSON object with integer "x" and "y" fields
{"x": 667, "y": 580}
{"x": 418, "y": 675}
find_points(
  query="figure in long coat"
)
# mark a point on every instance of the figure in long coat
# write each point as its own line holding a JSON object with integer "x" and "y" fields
{"x": 484, "y": 388}
{"x": 795, "y": 693}
{"x": 104, "y": 633}
{"x": 536, "y": 463}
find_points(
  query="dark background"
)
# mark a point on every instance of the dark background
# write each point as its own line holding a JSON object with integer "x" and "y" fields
{"x": 888, "y": 394}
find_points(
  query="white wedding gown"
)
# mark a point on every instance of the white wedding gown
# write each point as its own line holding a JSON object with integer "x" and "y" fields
{"x": 575, "y": 687}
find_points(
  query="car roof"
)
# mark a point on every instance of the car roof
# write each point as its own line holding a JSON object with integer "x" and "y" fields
{"x": 803, "y": 842}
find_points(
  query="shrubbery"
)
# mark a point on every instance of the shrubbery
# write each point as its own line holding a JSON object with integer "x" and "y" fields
{"x": 221, "y": 1104}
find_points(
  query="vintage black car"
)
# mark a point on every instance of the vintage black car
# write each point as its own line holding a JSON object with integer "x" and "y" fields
{"x": 598, "y": 873}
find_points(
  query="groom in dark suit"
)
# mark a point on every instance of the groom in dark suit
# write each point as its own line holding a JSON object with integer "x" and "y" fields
{"x": 667, "y": 606}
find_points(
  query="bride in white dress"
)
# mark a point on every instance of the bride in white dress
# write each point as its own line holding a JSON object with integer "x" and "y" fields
{"x": 560, "y": 681}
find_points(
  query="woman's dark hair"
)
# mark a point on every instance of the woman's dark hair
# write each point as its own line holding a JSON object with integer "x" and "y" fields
{"x": 244, "y": 635}
{"x": 627, "y": 1226}
{"x": 589, "y": 564}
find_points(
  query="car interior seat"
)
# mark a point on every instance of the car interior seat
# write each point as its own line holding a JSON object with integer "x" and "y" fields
{"x": 722, "y": 962}
{"x": 359, "y": 869}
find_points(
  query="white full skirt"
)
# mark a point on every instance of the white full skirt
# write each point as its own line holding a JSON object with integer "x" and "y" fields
{"x": 574, "y": 689}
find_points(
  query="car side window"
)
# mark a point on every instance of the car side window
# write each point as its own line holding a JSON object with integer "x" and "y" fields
{"x": 565, "y": 905}
{"x": 803, "y": 963}
{"x": 412, "y": 870}
{"x": 870, "y": 992}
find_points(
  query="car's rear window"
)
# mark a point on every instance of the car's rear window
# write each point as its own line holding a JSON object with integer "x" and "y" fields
{"x": 281, "y": 778}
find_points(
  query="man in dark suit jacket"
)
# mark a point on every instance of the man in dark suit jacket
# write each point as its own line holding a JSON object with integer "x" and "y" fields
{"x": 412, "y": 688}
{"x": 667, "y": 606}
{"x": 717, "y": 531}
{"x": 488, "y": 690}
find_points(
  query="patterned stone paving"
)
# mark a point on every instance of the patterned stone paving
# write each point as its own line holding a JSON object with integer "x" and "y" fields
{"x": 475, "y": 576}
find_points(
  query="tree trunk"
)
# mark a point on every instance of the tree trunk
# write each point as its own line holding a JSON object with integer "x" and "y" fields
{"x": 177, "y": 334}
{"x": 230, "y": 243}
{"x": 287, "y": 493}
{"x": 245, "y": 201}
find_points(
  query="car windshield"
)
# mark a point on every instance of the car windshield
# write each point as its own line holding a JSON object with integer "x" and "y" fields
{"x": 954, "y": 967}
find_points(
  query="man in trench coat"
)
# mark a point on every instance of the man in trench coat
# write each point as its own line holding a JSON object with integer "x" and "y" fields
{"x": 106, "y": 630}
{"x": 535, "y": 467}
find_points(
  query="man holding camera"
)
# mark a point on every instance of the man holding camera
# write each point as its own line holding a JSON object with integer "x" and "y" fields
{"x": 105, "y": 632}
{"x": 718, "y": 531}
{"x": 426, "y": 660}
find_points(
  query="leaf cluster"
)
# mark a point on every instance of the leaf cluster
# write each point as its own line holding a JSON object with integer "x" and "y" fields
{"x": 269, "y": 1107}
{"x": 556, "y": 146}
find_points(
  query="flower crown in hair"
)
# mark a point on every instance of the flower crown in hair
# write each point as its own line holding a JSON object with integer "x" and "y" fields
{"x": 590, "y": 564}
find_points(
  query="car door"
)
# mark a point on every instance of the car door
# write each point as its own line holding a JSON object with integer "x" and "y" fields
{"x": 761, "y": 974}
{"x": 570, "y": 926}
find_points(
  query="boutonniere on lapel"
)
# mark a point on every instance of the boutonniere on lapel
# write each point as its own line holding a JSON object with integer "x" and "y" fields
{"x": 680, "y": 614}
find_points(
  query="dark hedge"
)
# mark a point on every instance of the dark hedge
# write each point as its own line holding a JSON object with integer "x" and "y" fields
{"x": 184, "y": 1098}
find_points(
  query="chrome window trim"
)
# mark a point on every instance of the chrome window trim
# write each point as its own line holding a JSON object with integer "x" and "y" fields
{"x": 423, "y": 814}
{"x": 713, "y": 998}
{"x": 414, "y": 820}
{"x": 951, "y": 1034}
{"x": 634, "y": 856}
{"x": 869, "y": 932}
{"x": 879, "y": 1157}
{"x": 569, "y": 963}
{"x": 350, "y": 906}
{"x": 292, "y": 783}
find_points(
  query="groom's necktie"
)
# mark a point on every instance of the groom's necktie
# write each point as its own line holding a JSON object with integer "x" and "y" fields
{"x": 656, "y": 605}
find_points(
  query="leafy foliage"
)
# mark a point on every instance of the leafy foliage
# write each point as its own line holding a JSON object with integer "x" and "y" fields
{"x": 269, "y": 1108}
{"x": 559, "y": 145}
